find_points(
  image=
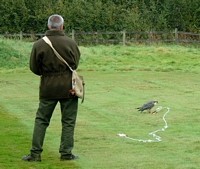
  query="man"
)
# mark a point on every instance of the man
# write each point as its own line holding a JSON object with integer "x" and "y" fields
{"x": 55, "y": 85}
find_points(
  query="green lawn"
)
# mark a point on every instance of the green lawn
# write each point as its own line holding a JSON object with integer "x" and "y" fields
{"x": 118, "y": 79}
{"x": 109, "y": 109}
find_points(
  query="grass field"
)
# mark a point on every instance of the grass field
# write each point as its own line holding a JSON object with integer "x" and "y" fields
{"x": 113, "y": 91}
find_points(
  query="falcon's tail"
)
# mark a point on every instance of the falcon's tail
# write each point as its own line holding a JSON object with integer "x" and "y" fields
{"x": 139, "y": 108}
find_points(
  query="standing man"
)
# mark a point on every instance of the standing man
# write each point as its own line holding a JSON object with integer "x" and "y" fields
{"x": 56, "y": 82}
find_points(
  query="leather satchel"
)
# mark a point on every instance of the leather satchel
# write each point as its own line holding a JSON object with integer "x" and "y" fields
{"x": 77, "y": 81}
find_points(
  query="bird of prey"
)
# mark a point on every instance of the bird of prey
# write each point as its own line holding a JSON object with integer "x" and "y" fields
{"x": 147, "y": 106}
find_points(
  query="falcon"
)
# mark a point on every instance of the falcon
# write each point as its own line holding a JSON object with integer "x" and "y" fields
{"x": 147, "y": 106}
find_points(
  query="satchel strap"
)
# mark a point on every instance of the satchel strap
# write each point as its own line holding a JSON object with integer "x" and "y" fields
{"x": 46, "y": 39}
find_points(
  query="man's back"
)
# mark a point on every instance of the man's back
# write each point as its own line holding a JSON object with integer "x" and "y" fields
{"x": 55, "y": 75}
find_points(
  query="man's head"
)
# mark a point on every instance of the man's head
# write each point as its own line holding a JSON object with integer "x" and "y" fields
{"x": 55, "y": 22}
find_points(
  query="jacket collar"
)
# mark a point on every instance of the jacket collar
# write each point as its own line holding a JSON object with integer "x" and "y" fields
{"x": 54, "y": 32}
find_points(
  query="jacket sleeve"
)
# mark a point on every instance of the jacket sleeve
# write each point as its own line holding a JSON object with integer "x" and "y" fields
{"x": 34, "y": 62}
{"x": 75, "y": 55}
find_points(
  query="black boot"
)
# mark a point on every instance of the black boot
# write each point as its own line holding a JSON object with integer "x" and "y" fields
{"x": 31, "y": 158}
{"x": 68, "y": 157}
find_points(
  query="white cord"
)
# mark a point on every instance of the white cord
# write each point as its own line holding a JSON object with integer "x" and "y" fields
{"x": 153, "y": 134}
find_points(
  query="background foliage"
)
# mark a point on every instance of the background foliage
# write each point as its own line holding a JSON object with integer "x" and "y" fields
{"x": 102, "y": 15}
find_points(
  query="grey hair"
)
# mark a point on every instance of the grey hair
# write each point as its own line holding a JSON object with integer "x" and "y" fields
{"x": 55, "y": 21}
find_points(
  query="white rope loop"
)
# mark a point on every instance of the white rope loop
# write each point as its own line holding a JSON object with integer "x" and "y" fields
{"x": 156, "y": 137}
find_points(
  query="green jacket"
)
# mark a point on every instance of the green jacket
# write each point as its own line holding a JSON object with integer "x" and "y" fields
{"x": 56, "y": 77}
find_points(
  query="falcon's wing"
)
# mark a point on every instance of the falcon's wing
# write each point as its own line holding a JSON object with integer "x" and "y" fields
{"x": 148, "y": 105}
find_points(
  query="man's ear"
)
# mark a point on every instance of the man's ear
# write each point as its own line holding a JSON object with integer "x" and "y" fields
{"x": 49, "y": 27}
{"x": 61, "y": 27}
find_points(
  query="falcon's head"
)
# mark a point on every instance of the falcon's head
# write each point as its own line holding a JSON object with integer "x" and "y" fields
{"x": 155, "y": 102}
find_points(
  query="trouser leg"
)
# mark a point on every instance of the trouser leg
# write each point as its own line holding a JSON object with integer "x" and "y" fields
{"x": 69, "y": 108}
{"x": 42, "y": 120}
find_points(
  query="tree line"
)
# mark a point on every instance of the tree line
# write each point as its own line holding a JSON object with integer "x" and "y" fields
{"x": 101, "y": 15}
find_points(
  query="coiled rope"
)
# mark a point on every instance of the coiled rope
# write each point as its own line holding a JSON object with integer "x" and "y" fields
{"x": 156, "y": 138}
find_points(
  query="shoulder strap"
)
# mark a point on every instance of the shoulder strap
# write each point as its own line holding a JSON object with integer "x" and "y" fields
{"x": 46, "y": 39}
